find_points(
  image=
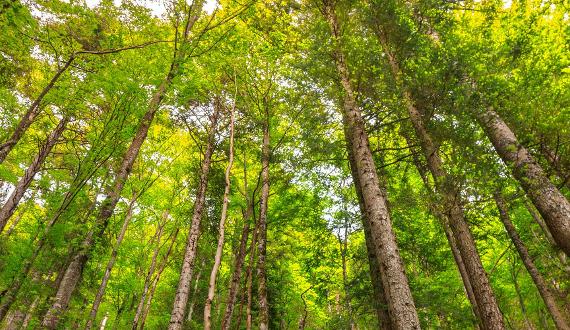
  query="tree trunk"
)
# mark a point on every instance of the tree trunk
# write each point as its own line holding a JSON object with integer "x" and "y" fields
{"x": 73, "y": 273}
{"x": 238, "y": 265}
{"x": 22, "y": 185}
{"x": 537, "y": 278}
{"x": 29, "y": 204}
{"x": 380, "y": 303}
{"x": 552, "y": 205}
{"x": 150, "y": 272}
{"x": 156, "y": 280}
{"x": 10, "y": 295}
{"x": 31, "y": 113}
{"x": 262, "y": 241}
{"x": 195, "y": 292}
{"x": 489, "y": 313}
{"x": 221, "y": 238}
{"x": 397, "y": 292}
{"x": 249, "y": 275}
{"x": 181, "y": 298}
{"x": 110, "y": 264}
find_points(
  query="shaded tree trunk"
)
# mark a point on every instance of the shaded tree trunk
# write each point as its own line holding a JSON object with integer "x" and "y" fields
{"x": 110, "y": 264}
{"x": 22, "y": 185}
{"x": 552, "y": 205}
{"x": 262, "y": 227}
{"x": 249, "y": 276}
{"x": 397, "y": 292}
{"x": 156, "y": 280}
{"x": 31, "y": 113}
{"x": 150, "y": 272}
{"x": 238, "y": 265}
{"x": 195, "y": 293}
{"x": 181, "y": 298}
{"x": 547, "y": 296}
{"x": 221, "y": 238}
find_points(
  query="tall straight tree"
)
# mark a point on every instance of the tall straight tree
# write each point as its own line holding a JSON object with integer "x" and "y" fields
{"x": 183, "y": 290}
{"x": 75, "y": 268}
{"x": 222, "y": 228}
{"x": 399, "y": 299}
{"x": 262, "y": 225}
{"x": 491, "y": 316}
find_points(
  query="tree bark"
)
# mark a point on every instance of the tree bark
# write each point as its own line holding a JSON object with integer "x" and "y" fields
{"x": 262, "y": 240}
{"x": 552, "y": 205}
{"x": 110, "y": 264}
{"x": 156, "y": 280}
{"x": 398, "y": 295}
{"x": 221, "y": 238}
{"x": 73, "y": 273}
{"x": 150, "y": 272}
{"x": 547, "y": 296}
{"x": 238, "y": 265}
{"x": 31, "y": 113}
{"x": 488, "y": 309}
{"x": 181, "y": 298}
{"x": 12, "y": 203}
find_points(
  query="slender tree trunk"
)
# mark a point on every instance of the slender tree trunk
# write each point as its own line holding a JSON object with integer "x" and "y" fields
{"x": 448, "y": 234}
{"x": 10, "y": 296}
{"x": 21, "y": 214}
{"x": 181, "y": 298}
{"x": 73, "y": 273}
{"x": 156, "y": 280}
{"x": 236, "y": 276}
{"x": 552, "y": 205}
{"x": 397, "y": 292}
{"x": 110, "y": 264}
{"x": 547, "y": 296}
{"x": 262, "y": 241}
{"x": 514, "y": 273}
{"x": 343, "y": 246}
{"x": 22, "y": 185}
{"x": 30, "y": 313}
{"x": 195, "y": 292}
{"x": 221, "y": 238}
{"x": 249, "y": 276}
{"x": 150, "y": 272}
{"x": 560, "y": 166}
{"x": 31, "y": 113}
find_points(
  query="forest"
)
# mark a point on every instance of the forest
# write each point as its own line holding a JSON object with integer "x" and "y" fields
{"x": 285, "y": 164}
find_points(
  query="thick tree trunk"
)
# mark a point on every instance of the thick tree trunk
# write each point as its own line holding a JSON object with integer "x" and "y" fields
{"x": 262, "y": 227}
{"x": 238, "y": 265}
{"x": 181, "y": 298}
{"x": 397, "y": 292}
{"x": 22, "y": 185}
{"x": 552, "y": 205}
{"x": 380, "y": 303}
{"x": 156, "y": 280}
{"x": 150, "y": 272}
{"x": 488, "y": 309}
{"x": 547, "y": 296}
{"x": 222, "y": 228}
{"x": 110, "y": 264}
{"x": 31, "y": 113}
